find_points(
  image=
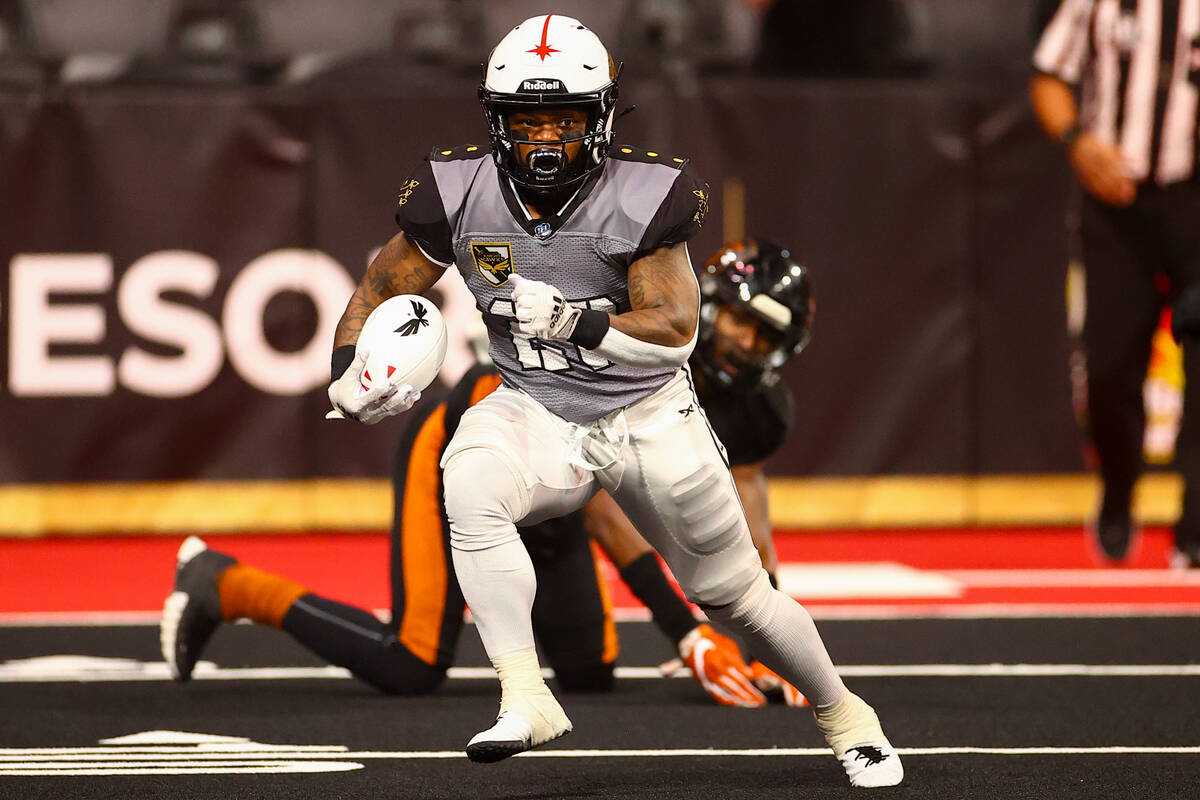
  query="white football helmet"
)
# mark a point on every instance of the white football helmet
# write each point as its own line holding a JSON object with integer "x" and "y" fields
{"x": 549, "y": 61}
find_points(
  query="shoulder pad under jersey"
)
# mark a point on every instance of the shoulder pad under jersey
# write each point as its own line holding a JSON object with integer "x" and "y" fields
{"x": 463, "y": 151}
{"x": 625, "y": 152}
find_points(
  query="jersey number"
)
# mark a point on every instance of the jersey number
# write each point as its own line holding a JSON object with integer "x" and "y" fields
{"x": 556, "y": 355}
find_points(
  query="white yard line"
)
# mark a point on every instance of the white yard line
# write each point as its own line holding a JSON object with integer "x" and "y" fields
{"x": 18, "y": 672}
{"x": 50, "y": 758}
{"x": 165, "y": 752}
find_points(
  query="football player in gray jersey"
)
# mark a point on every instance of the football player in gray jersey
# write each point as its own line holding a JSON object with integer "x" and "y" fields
{"x": 576, "y": 252}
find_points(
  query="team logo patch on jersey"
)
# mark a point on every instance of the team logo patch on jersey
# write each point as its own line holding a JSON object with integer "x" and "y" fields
{"x": 493, "y": 260}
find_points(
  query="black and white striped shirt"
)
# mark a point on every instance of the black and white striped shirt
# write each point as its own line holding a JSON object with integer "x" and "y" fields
{"x": 1139, "y": 64}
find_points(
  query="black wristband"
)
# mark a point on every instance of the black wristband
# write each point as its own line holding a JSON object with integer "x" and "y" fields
{"x": 1070, "y": 135}
{"x": 590, "y": 329}
{"x": 343, "y": 357}
{"x": 646, "y": 580}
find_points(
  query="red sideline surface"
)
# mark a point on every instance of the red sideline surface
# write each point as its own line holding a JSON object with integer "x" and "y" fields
{"x": 1037, "y": 567}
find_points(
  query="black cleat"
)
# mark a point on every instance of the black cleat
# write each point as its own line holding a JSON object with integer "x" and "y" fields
{"x": 192, "y": 612}
{"x": 1114, "y": 531}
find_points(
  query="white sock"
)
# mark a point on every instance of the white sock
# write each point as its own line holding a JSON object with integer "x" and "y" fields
{"x": 849, "y": 722}
{"x": 520, "y": 676}
{"x": 781, "y": 634}
{"x": 499, "y": 584}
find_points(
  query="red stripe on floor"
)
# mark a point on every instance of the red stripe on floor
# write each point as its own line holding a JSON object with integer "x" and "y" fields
{"x": 135, "y": 573}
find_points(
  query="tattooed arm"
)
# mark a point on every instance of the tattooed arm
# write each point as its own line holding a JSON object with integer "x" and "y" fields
{"x": 664, "y": 296}
{"x": 400, "y": 268}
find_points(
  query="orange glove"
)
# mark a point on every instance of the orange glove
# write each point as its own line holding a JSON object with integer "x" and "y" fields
{"x": 772, "y": 685}
{"x": 717, "y": 664}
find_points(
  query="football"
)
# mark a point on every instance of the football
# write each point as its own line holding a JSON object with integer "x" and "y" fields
{"x": 406, "y": 336}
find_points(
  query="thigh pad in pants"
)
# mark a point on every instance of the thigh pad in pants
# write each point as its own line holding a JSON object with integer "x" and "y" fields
{"x": 677, "y": 490}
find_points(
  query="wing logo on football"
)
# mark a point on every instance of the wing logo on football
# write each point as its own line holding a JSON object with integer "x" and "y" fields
{"x": 404, "y": 340}
{"x": 420, "y": 317}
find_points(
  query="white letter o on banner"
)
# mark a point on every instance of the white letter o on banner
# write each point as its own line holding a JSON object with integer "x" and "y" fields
{"x": 309, "y": 272}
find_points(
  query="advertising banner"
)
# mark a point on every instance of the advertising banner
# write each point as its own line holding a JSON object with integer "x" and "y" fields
{"x": 174, "y": 264}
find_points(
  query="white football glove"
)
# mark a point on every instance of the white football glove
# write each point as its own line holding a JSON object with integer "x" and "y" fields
{"x": 541, "y": 310}
{"x": 368, "y": 407}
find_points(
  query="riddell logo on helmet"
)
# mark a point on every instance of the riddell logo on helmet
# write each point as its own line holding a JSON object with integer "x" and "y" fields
{"x": 541, "y": 85}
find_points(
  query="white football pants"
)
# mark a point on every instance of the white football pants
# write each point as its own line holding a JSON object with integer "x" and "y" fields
{"x": 512, "y": 461}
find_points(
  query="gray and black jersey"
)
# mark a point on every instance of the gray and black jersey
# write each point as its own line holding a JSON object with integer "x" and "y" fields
{"x": 1139, "y": 65}
{"x": 460, "y": 210}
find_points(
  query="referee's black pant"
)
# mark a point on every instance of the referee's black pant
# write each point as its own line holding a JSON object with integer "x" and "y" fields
{"x": 1124, "y": 249}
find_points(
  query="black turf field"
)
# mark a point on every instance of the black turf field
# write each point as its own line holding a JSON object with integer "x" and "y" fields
{"x": 377, "y": 741}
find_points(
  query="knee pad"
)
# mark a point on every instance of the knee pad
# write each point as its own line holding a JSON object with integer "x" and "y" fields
{"x": 724, "y": 578}
{"x": 719, "y": 592}
{"x": 483, "y": 497}
{"x": 746, "y": 606}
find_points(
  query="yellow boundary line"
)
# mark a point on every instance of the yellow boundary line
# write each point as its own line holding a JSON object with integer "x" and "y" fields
{"x": 187, "y": 506}
{"x": 28, "y": 510}
{"x": 959, "y": 501}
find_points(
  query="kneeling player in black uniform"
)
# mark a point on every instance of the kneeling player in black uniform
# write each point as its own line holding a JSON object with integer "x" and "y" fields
{"x": 411, "y": 653}
{"x": 756, "y": 313}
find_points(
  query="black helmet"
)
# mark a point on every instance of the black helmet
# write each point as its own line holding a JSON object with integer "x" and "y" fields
{"x": 549, "y": 61}
{"x": 761, "y": 278}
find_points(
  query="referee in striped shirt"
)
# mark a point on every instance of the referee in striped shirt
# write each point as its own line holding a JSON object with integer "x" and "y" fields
{"x": 1132, "y": 143}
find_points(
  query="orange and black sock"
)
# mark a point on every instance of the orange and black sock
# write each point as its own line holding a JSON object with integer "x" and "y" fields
{"x": 257, "y": 595}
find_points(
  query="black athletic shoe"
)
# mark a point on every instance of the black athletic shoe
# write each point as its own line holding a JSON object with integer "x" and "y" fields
{"x": 192, "y": 612}
{"x": 1114, "y": 531}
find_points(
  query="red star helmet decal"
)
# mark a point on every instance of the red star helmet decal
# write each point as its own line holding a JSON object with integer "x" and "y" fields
{"x": 543, "y": 49}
